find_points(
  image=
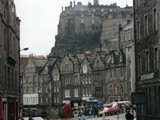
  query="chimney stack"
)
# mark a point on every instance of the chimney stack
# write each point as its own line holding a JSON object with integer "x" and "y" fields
{"x": 70, "y": 3}
{"x": 74, "y": 3}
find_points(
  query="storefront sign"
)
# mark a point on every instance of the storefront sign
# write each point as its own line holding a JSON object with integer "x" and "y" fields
{"x": 147, "y": 76}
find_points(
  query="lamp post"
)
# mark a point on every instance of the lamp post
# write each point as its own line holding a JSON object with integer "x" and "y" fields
{"x": 23, "y": 49}
{"x": 20, "y": 81}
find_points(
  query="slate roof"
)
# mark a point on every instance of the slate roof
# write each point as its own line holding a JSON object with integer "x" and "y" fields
{"x": 40, "y": 63}
{"x": 47, "y": 67}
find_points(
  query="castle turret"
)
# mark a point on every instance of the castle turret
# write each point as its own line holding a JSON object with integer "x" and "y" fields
{"x": 62, "y": 9}
{"x": 96, "y": 2}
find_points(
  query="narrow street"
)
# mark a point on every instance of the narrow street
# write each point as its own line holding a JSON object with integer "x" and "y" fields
{"x": 113, "y": 117}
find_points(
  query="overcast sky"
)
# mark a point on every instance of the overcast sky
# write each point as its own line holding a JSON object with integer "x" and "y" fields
{"x": 39, "y": 20}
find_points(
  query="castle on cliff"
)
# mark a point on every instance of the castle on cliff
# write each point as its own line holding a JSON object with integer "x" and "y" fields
{"x": 106, "y": 20}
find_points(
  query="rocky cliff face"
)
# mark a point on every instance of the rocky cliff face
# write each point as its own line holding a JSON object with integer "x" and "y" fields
{"x": 76, "y": 43}
{"x": 86, "y": 27}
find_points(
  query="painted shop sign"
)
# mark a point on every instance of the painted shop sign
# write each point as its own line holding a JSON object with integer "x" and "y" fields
{"x": 147, "y": 76}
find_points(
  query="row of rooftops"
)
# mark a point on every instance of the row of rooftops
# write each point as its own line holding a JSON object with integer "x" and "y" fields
{"x": 45, "y": 65}
{"x": 107, "y": 60}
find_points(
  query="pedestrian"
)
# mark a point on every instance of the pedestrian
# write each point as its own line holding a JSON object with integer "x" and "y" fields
{"x": 128, "y": 115}
{"x": 11, "y": 117}
{"x": 81, "y": 116}
{"x": 95, "y": 110}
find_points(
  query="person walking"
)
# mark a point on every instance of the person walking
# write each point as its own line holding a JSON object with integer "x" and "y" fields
{"x": 95, "y": 110}
{"x": 81, "y": 116}
{"x": 128, "y": 115}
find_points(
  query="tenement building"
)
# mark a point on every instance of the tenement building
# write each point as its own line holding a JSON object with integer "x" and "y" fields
{"x": 147, "y": 58}
{"x": 49, "y": 87}
{"x": 30, "y": 79}
{"x": 98, "y": 76}
{"x": 127, "y": 45}
{"x": 9, "y": 60}
{"x": 71, "y": 84}
{"x": 113, "y": 17}
{"x": 50, "y": 84}
{"x": 117, "y": 87}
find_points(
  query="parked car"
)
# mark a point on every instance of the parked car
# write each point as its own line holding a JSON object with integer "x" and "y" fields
{"x": 110, "y": 109}
{"x": 101, "y": 112}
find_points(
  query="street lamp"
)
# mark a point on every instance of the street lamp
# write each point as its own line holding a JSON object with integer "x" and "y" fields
{"x": 20, "y": 81}
{"x": 23, "y": 49}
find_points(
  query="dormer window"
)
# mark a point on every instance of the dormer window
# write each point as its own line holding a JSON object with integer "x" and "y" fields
{"x": 66, "y": 67}
{"x": 120, "y": 58}
{"x": 82, "y": 21}
{"x": 46, "y": 68}
{"x": 98, "y": 63}
{"x": 92, "y": 21}
{"x": 112, "y": 60}
{"x": 84, "y": 68}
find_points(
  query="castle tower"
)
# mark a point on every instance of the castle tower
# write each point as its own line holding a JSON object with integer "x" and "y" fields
{"x": 96, "y": 2}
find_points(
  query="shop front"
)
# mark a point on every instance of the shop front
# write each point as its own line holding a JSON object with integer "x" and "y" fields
{"x": 8, "y": 108}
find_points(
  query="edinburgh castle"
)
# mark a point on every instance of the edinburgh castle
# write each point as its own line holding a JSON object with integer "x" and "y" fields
{"x": 86, "y": 27}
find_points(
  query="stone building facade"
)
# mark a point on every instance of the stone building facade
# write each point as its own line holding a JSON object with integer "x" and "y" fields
{"x": 146, "y": 22}
{"x": 73, "y": 79}
{"x": 98, "y": 69}
{"x": 113, "y": 18}
{"x": 79, "y": 19}
{"x": 56, "y": 87}
{"x": 49, "y": 87}
{"x": 9, "y": 60}
{"x": 86, "y": 78}
{"x": 30, "y": 80}
{"x": 116, "y": 85}
{"x": 128, "y": 46}
{"x": 126, "y": 35}
{"x": 71, "y": 84}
